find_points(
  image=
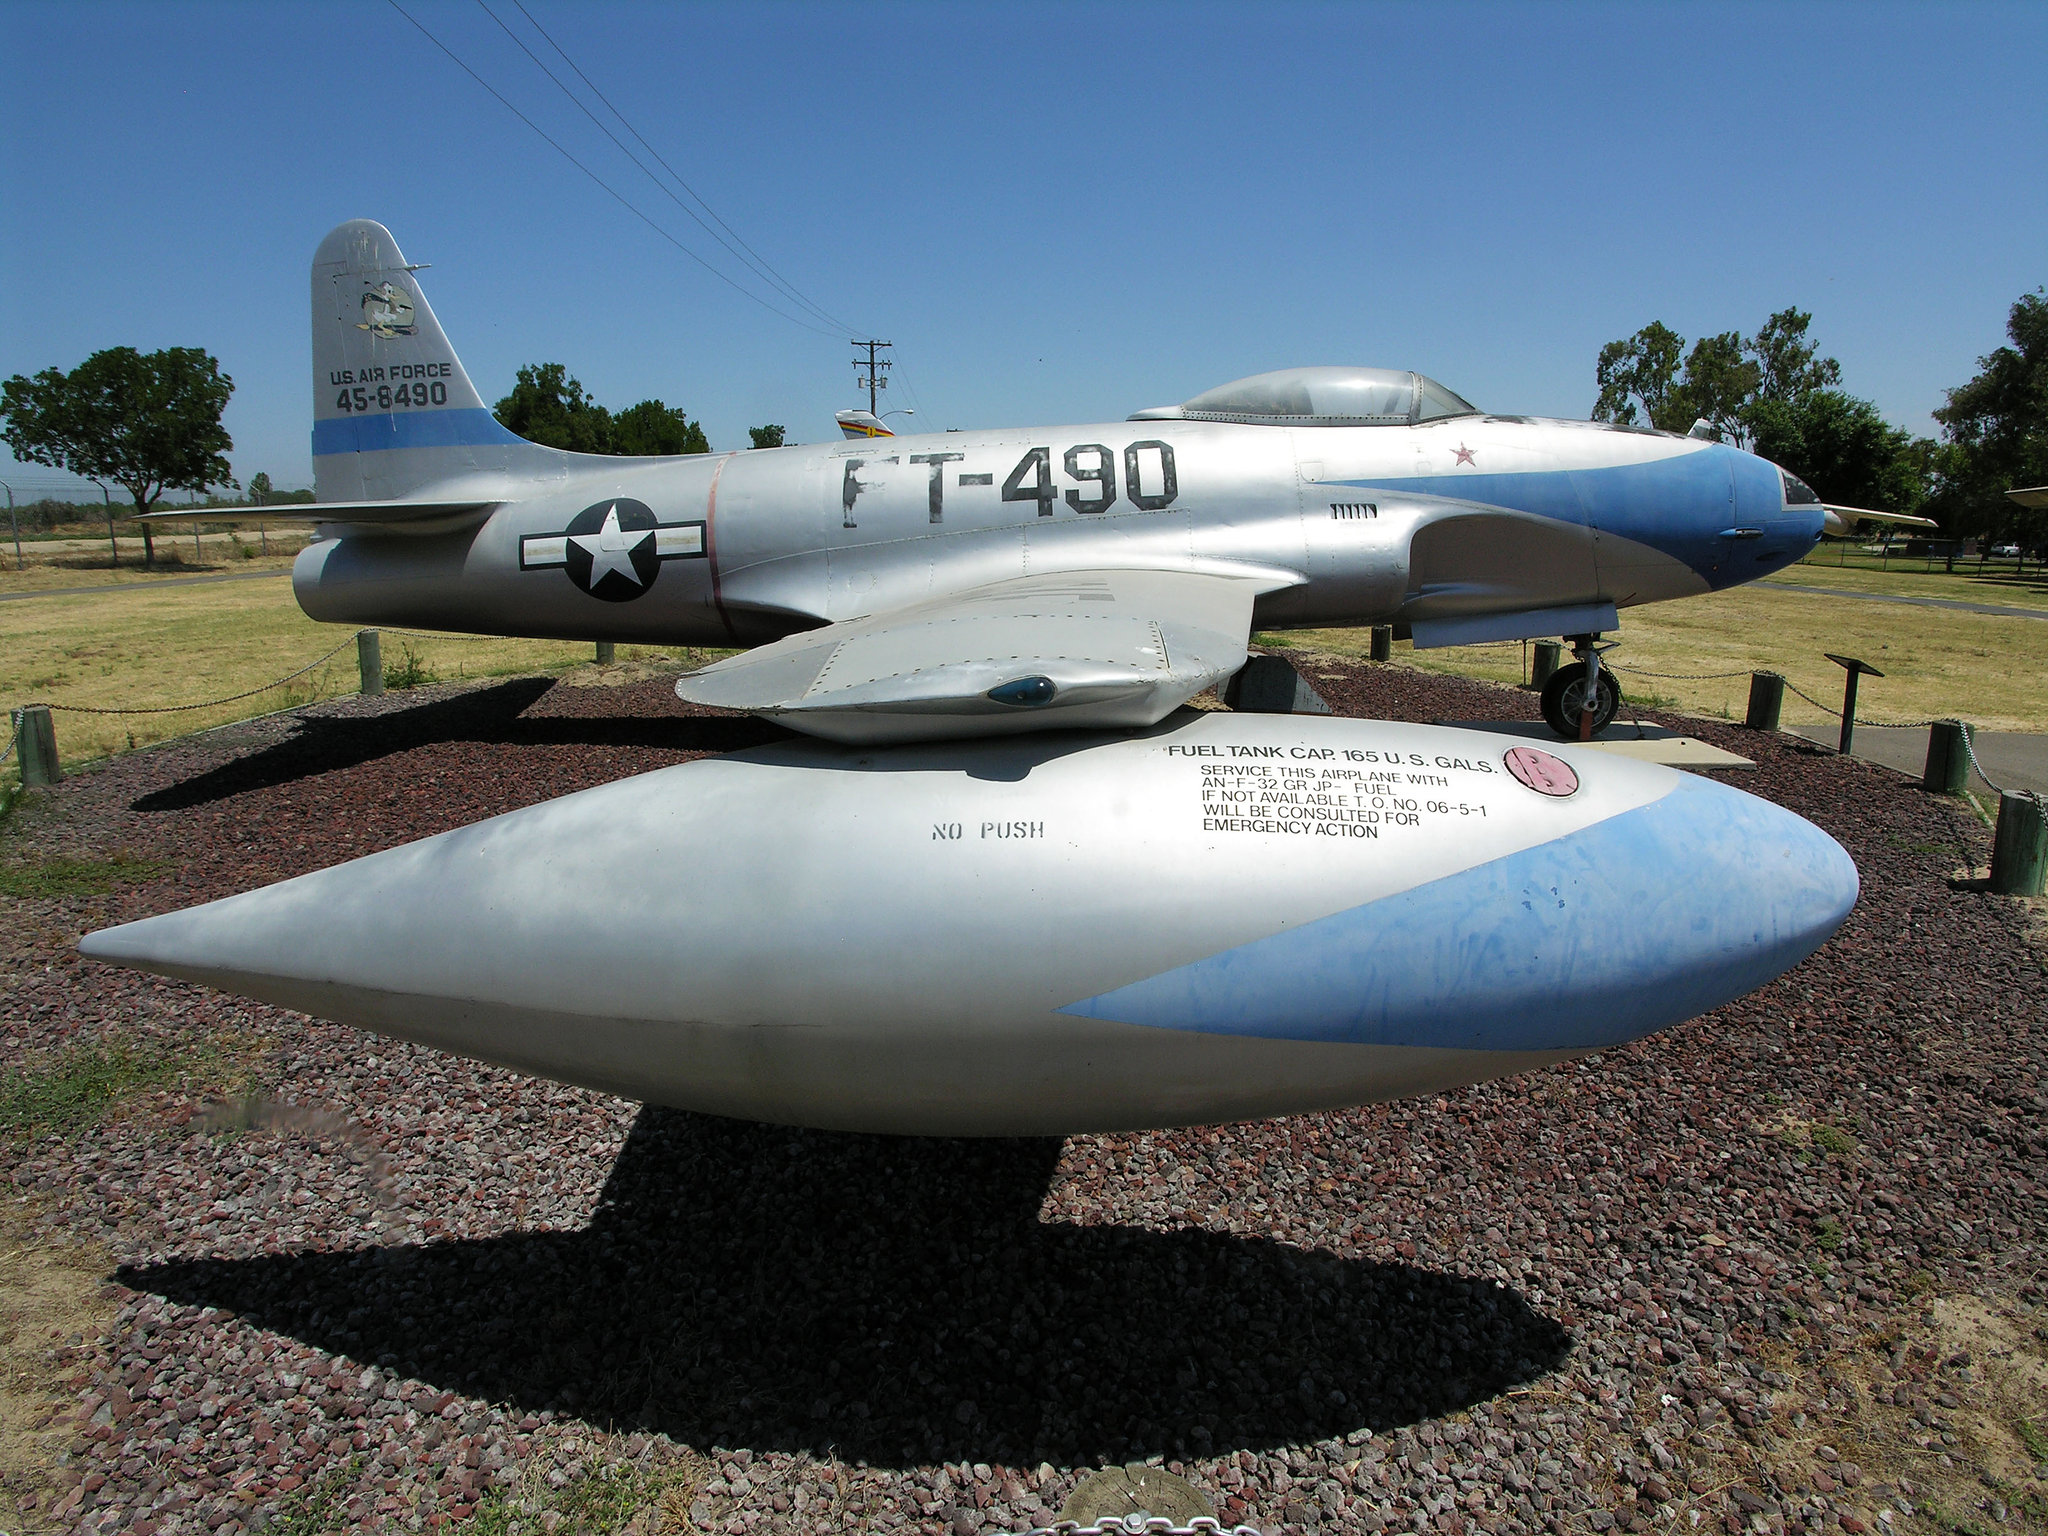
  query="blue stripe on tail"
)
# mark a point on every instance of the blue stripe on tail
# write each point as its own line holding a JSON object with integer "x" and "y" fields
{"x": 468, "y": 428}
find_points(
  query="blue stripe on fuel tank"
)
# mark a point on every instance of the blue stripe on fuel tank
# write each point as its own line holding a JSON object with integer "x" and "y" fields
{"x": 1640, "y": 921}
{"x": 468, "y": 427}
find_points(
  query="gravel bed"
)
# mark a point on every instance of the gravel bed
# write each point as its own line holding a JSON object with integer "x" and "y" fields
{"x": 1630, "y": 1292}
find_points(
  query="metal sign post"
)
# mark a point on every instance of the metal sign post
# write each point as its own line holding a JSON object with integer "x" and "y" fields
{"x": 1856, "y": 669}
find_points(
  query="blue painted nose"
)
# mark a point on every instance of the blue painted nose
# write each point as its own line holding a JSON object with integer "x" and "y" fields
{"x": 1777, "y": 520}
{"x": 1635, "y": 923}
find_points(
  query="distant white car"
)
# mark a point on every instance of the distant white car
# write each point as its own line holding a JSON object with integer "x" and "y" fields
{"x": 2006, "y": 551}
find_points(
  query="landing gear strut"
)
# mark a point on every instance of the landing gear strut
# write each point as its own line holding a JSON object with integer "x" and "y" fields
{"x": 1581, "y": 700}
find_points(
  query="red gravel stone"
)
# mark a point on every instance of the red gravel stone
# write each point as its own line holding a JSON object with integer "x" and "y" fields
{"x": 456, "y": 1272}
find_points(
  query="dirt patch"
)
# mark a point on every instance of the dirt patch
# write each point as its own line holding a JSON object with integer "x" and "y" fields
{"x": 53, "y": 1307}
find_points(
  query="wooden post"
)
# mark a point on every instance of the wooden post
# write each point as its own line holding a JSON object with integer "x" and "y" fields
{"x": 1948, "y": 759}
{"x": 2019, "y": 848}
{"x": 1383, "y": 642}
{"x": 606, "y": 651}
{"x": 1548, "y": 654}
{"x": 35, "y": 746}
{"x": 370, "y": 660}
{"x": 1766, "y": 701}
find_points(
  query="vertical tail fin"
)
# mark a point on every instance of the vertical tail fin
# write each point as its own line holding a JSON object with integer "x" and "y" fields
{"x": 394, "y": 415}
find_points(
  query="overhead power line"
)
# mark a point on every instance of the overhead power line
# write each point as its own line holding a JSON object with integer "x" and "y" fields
{"x": 741, "y": 250}
{"x": 618, "y": 196}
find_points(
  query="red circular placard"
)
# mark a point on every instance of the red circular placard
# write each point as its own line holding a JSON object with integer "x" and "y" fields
{"x": 1543, "y": 773}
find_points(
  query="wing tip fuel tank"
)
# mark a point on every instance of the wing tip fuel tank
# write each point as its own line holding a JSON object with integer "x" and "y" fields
{"x": 1223, "y": 917}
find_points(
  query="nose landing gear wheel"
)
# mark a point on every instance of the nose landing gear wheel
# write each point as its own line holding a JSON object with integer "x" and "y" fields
{"x": 1564, "y": 697}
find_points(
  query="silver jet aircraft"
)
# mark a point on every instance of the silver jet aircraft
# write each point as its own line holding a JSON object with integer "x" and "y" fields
{"x": 989, "y": 581}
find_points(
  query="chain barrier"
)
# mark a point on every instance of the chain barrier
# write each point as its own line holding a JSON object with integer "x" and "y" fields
{"x": 13, "y": 737}
{"x": 233, "y": 698}
{"x": 1144, "y": 1525}
{"x": 1970, "y": 747}
{"x": 435, "y": 634}
{"x": 1676, "y": 677}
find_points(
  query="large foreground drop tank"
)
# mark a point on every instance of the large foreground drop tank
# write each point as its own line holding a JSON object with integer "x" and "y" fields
{"x": 1226, "y": 916}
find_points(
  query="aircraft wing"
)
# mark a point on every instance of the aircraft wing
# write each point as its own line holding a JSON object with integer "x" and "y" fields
{"x": 392, "y": 512}
{"x": 1841, "y": 519}
{"x": 1117, "y": 648}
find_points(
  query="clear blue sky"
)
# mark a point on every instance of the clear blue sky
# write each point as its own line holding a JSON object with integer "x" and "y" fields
{"x": 1057, "y": 213}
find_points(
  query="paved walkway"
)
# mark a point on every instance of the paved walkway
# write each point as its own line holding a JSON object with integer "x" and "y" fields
{"x": 139, "y": 586}
{"x": 2017, "y": 761}
{"x": 1996, "y": 610}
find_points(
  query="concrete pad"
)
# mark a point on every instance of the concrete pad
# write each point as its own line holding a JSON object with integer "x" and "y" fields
{"x": 2016, "y": 760}
{"x": 1649, "y": 744}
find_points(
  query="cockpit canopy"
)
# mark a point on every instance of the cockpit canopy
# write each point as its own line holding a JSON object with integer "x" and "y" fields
{"x": 1321, "y": 397}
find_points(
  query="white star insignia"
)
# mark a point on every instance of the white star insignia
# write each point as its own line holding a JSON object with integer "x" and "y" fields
{"x": 611, "y": 548}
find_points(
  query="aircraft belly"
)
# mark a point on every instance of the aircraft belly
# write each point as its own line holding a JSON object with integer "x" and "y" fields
{"x": 973, "y": 1080}
{"x": 1632, "y": 573}
{"x": 1468, "y": 561}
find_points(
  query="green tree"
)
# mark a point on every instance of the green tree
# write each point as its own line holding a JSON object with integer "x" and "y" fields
{"x": 769, "y": 436}
{"x": 1788, "y": 365}
{"x": 653, "y": 428}
{"x": 1843, "y": 448}
{"x": 260, "y": 489}
{"x": 1718, "y": 385}
{"x": 1774, "y": 394}
{"x": 1638, "y": 376}
{"x": 1995, "y": 431}
{"x": 148, "y": 422}
{"x": 549, "y": 407}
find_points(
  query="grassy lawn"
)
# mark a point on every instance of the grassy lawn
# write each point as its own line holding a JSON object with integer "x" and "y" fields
{"x": 132, "y": 650}
{"x": 183, "y": 644}
{"x": 84, "y": 561}
{"x": 1996, "y": 584}
{"x": 1987, "y": 670}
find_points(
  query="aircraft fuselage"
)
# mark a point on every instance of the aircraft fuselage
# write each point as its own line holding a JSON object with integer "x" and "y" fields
{"x": 1472, "y": 527}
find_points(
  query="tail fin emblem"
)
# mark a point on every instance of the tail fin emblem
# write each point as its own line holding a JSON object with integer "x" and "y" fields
{"x": 387, "y": 312}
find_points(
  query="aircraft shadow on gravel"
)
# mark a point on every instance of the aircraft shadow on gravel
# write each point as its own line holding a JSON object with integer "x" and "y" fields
{"x": 494, "y": 715}
{"x": 894, "y": 1300}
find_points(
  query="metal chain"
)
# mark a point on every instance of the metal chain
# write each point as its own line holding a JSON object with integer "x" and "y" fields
{"x": 1816, "y": 703}
{"x": 1677, "y": 677}
{"x": 435, "y": 634}
{"x": 1971, "y": 748}
{"x": 233, "y": 698}
{"x": 13, "y": 738}
{"x": 1143, "y": 1525}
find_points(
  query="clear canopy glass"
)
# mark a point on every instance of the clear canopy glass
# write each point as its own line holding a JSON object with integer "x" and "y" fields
{"x": 1322, "y": 397}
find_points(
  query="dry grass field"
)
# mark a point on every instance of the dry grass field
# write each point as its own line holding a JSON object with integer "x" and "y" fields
{"x": 1997, "y": 586}
{"x": 82, "y": 558}
{"x": 175, "y": 643}
{"x": 187, "y": 642}
{"x": 1989, "y": 670}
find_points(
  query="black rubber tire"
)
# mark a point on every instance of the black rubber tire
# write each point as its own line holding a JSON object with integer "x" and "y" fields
{"x": 1565, "y": 695}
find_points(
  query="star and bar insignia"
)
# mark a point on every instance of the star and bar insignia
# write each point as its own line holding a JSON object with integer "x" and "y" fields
{"x": 613, "y": 550}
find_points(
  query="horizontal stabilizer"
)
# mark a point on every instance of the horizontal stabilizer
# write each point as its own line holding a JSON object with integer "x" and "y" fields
{"x": 327, "y": 512}
{"x": 1074, "y": 649}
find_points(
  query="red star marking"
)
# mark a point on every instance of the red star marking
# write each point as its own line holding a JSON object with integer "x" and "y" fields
{"x": 1464, "y": 455}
